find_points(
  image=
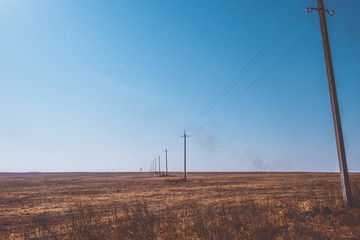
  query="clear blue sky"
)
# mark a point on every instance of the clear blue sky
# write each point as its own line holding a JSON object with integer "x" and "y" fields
{"x": 103, "y": 85}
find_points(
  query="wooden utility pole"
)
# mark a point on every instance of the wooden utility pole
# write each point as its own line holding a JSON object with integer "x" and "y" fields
{"x": 185, "y": 136}
{"x": 344, "y": 175}
{"x": 166, "y": 161}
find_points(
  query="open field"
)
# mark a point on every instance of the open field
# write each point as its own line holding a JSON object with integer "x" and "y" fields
{"x": 150, "y": 206}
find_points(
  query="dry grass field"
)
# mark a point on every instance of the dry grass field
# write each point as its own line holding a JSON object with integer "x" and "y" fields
{"x": 149, "y": 206}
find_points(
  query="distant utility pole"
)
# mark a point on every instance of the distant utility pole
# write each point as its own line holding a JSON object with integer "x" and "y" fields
{"x": 344, "y": 175}
{"x": 166, "y": 161}
{"x": 159, "y": 165}
{"x": 185, "y": 136}
{"x": 155, "y": 165}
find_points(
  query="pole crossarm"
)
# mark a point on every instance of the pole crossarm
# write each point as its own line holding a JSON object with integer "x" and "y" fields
{"x": 309, "y": 10}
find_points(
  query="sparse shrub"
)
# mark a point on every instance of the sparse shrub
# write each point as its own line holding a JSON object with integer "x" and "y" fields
{"x": 85, "y": 223}
{"x": 137, "y": 222}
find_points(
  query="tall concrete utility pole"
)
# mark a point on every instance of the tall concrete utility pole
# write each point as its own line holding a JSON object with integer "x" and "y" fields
{"x": 344, "y": 175}
{"x": 185, "y": 136}
{"x": 166, "y": 161}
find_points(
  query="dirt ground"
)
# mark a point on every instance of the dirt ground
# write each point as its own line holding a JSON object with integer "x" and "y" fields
{"x": 23, "y": 195}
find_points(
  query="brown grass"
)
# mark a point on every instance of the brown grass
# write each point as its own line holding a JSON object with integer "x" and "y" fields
{"x": 147, "y": 206}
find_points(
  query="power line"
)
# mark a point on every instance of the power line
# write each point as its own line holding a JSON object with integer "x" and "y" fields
{"x": 247, "y": 68}
{"x": 340, "y": 4}
{"x": 263, "y": 50}
{"x": 258, "y": 78}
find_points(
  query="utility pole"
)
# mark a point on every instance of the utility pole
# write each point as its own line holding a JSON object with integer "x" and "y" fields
{"x": 185, "y": 136}
{"x": 344, "y": 175}
{"x": 159, "y": 165}
{"x": 155, "y": 165}
{"x": 166, "y": 161}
